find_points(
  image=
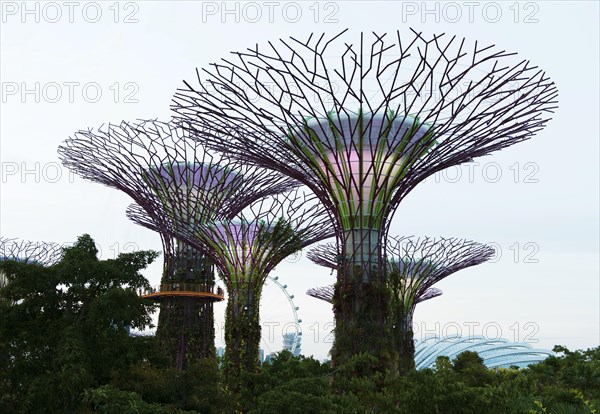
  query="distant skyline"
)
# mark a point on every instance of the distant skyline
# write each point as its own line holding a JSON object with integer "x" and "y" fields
{"x": 69, "y": 66}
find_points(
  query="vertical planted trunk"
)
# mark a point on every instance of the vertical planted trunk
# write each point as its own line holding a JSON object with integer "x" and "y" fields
{"x": 242, "y": 334}
{"x": 361, "y": 302}
{"x": 186, "y": 324}
{"x": 186, "y": 329}
{"x": 403, "y": 298}
{"x": 404, "y": 338}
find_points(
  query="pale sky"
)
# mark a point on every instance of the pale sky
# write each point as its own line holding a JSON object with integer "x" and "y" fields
{"x": 67, "y": 66}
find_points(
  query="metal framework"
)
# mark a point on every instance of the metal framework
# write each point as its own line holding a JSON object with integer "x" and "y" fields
{"x": 325, "y": 293}
{"x": 361, "y": 121}
{"x": 42, "y": 253}
{"x": 327, "y": 255}
{"x": 245, "y": 248}
{"x": 162, "y": 169}
{"x": 495, "y": 353}
{"x": 45, "y": 254}
{"x": 416, "y": 265}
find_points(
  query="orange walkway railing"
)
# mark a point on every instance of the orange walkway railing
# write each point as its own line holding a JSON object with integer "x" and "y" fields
{"x": 183, "y": 289}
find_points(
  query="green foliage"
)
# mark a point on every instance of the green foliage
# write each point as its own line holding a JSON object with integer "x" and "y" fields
{"x": 108, "y": 400}
{"x": 281, "y": 239}
{"x": 361, "y": 311}
{"x": 242, "y": 328}
{"x": 65, "y": 328}
{"x": 298, "y": 396}
{"x": 242, "y": 335}
{"x": 570, "y": 379}
{"x": 186, "y": 324}
{"x": 64, "y": 349}
{"x": 186, "y": 330}
{"x": 463, "y": 386}
{"x": 282, "y": 368}
{"x": 196, "y": 388}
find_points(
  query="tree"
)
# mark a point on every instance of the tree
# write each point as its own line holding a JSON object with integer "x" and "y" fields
{"x": 65, "y": 328}
{"x": 569, "y": 378}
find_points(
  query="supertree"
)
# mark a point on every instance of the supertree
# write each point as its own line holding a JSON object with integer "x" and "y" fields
{"x": 159, "y": 166}
{"x": 416, "y": 265}
{"x": 361, "y": 124}
{"x": 40, "y": 253}
{"x": 325, "y": 293}
{"x": 245, "y": 248}
{"x": 327, "y": 255}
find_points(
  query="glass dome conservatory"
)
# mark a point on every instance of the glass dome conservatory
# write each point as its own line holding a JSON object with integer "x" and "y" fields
{"x": 496, "y": 353}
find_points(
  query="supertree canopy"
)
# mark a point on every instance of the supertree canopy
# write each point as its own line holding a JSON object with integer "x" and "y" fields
{"x": 327, "y": 255}
{"x": 417, "y": 264}
{"x": 41, "y": 253}
{"x": 325, "y": 293}
{"x": 361, "y": 122}
{"x": 162, "y": 169}
{"x": 245, "y": 248}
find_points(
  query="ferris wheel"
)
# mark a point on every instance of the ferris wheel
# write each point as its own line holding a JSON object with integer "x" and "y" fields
{"x": 292, "y": 338}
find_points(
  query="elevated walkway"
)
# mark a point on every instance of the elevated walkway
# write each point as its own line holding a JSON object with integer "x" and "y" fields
{"x": 196, "y": 290}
